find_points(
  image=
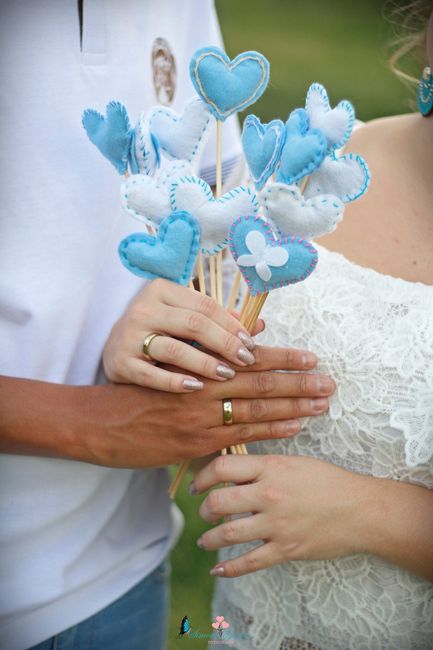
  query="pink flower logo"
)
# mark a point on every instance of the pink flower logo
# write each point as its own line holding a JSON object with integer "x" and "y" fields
{"x": 220, "y": 625}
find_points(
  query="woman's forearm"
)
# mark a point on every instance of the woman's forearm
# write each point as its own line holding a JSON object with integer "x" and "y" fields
{"x": 398, "y": 524}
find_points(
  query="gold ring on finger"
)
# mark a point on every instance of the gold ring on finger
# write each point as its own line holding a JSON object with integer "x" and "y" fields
{"x": 146, "y": 344}
{"x": 227, "y": 411}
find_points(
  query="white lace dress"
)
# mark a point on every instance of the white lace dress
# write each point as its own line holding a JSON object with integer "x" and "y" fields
{"x": 374, "y": 335}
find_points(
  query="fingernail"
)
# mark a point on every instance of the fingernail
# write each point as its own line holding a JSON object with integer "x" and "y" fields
{"x": 325, "y": 385}
{"x": 308, "y": 360}
{"x": 192, "y": 488}
{"x": 247, "y": 340}
{"x": 246, "y": 356}
{"x": 200, "y": 543}
{"x": 292, "y": 426}
{"x": 217, "y": 571}
{"x": 225, "y": 371}
{"x": 319, "y": 405}
{"x": 193, "y": 384}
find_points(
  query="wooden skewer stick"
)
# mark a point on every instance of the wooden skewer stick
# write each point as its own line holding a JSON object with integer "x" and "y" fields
{"x": 234, "y": 293}
{"x": 200, "y": 274}
{"x": 212, "y": 277}
{"x": 219, "y": 277}
{"x": 174, "y": 486}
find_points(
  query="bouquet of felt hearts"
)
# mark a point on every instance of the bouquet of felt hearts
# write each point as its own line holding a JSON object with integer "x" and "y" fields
{"x": 298, "y": 189}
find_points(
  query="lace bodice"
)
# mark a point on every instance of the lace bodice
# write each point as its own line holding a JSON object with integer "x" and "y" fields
{"x": 374, "y": 335}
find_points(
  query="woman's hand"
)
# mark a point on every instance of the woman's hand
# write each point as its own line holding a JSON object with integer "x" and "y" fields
{"x": 303, "y": 509}
{"x": 178, "y": 313}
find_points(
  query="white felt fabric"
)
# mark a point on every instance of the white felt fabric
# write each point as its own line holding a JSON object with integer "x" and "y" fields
{"x": 144, "y": 147}
{"x": 292, "y": 214}
{"x": 336, "y": 123}
{"x": 145, "y": 198}
{"x": 181, "y": 136}
{"x": 172, "y": 170}
{"x": 215, "y": 216}
{"x": 261, "y": 255}
{"x": 346, "y": 177}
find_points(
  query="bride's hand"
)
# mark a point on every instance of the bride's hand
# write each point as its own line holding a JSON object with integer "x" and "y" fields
{"x": 303, "y": 509}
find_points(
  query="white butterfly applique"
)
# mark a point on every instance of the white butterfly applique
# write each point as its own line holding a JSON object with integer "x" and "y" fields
{"x": 262, "y": 255}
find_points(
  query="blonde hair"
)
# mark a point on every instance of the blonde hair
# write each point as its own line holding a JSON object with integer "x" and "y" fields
{"x": 409, "y": 43}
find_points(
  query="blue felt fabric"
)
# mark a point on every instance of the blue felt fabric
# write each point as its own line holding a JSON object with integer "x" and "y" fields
{"x": 303, "y": 151}
{"x": 302, "y": 256}
{"x": 262, "y": 145}
{"x": 336, "y": 123}
{"x": 228, "y": 86}
{"x": 111, "y": 134}
{"x": 171, "y": 254}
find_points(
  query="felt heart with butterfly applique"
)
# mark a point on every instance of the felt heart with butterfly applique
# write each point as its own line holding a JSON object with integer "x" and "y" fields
{"x": 181, "y": 136}
{"x": 285, "y": 206}
{"x": 303, "y": 151}
{"x": 225, "y": 85}
{"x": 170, "y": 254}
{"x": 266, "y": 262}
{"x": 112, "y": 134}
{"x": 214, "y": 215}
{"x": 347, "y": 177}
{"x": 336, "y": 123}
{"x": 262, "y": 145}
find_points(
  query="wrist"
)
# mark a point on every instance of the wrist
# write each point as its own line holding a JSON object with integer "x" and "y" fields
{"x": 371, "y": 515}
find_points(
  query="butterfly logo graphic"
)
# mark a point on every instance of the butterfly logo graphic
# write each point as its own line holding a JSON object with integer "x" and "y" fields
{"x": 185, "y": 627}
{"x": 220, "y": 625}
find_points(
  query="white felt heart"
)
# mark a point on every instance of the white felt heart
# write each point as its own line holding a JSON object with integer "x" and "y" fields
{"x": 347, "y": 177}
{"x": 285, "y": 206}
{"x": 146, "y": 147}
{"x": 181, "y": 136}
{"x": 145, "y": 198}
{"x": 214, "y": 215}
{"x": 336, "y": 123}
{"x": 171, "y": 170}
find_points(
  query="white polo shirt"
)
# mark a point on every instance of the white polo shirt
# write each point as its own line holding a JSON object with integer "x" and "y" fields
{"x": 74, "y": 537}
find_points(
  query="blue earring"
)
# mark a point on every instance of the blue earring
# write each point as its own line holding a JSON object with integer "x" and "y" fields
{"x": 425, "y": 92}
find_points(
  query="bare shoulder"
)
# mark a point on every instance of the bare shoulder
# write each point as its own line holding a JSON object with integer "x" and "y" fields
{"x": 390, "y": 228}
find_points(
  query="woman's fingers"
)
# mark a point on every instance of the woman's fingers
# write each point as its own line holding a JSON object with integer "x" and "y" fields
{"x": 283, "y": 359}
{"x": 235, "y": 531}
{"x": 167, "y": 350}
{"x": 264, "y": 410}
{"x": 225, "y": 469}
{"x": 267, "y": 385}
{"x": 262, "y": 557}
{"x": 149, "y": 376}
{"x": 232, "y": 500}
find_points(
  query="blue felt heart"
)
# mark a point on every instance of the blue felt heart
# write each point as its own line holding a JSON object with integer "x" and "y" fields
{"x": 171, "y": 254}
{"x": 262, "y": 145}
{"x": 111, "y": 134}
{"x": 336, "y": 123}
{"x": 303, "y": 151}
{"x": 228, "y": 86}
{"x": 265, "y": 261}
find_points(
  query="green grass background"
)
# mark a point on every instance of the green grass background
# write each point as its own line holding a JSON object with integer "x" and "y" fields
{"x": 343, "y": 45}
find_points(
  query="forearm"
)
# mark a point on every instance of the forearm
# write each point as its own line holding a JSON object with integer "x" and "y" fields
{"x": 44, "y": 419}
{"x": 398, "y": 524}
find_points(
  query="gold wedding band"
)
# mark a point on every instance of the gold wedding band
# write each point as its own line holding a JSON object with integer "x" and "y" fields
{"x": 146, "y": 343}
{"x": 227, "y": 411}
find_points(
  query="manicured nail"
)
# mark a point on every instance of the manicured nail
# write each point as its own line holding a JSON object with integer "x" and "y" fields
{"x": 225, "y": 371}
{"x": 217, "y": 571}
{"x": 292, "y": 426}
{"x": 247, "y": 340}
{"x": 325, "y": 385}
{"x": 200, "y": 543}
{"x": 193, "y": 384}
{"x": 319, "y": 405}
{"x": 192, "y": 488}
{"x": 246, "y": 356}
{"x": 309, "y": 360}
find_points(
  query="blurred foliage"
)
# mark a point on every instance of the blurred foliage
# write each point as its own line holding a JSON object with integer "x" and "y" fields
{"x": 345, "y": 46}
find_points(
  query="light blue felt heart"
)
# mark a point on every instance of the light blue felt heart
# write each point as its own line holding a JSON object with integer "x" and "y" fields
{"x": 144, "y": 154}
{"x": 262, "y": 145}
{"x": 171, "y": 254}
{"x": 111, "y": 134}
{"x": 266, "y": 262}
{"x": 336, "y": 123}
{"x": 303, "y": 151}
{"x": 228, "y": 86}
